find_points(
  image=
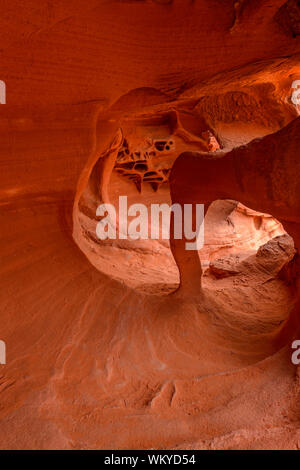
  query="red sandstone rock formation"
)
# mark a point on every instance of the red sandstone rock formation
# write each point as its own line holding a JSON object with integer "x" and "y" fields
{"x": 119, "y": 344}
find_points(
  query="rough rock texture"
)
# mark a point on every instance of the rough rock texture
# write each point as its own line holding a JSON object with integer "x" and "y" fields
{"x": 122, "y": 344}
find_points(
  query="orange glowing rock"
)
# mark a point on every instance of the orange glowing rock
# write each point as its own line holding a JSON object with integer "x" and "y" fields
{"x": 122, "y": 344}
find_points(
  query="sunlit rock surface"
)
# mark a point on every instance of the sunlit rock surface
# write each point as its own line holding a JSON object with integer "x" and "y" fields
{"x": 107, "y": 345}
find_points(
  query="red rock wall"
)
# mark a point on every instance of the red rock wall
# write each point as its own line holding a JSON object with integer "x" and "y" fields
{"x": 132, "y": 345}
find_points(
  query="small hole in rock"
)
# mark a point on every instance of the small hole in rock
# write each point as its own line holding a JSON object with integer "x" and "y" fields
{"x": 141, "y": 166}
{"x": 160, "y": 145}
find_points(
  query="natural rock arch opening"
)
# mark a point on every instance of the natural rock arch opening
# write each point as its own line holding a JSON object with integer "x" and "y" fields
{"x": 245, "y": 263}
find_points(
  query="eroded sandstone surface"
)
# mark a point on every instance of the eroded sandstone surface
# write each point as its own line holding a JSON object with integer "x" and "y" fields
{"x": 122, "y": 344}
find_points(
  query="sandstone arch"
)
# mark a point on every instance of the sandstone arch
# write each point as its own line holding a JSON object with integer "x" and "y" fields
{"x": 264, "y": 175}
